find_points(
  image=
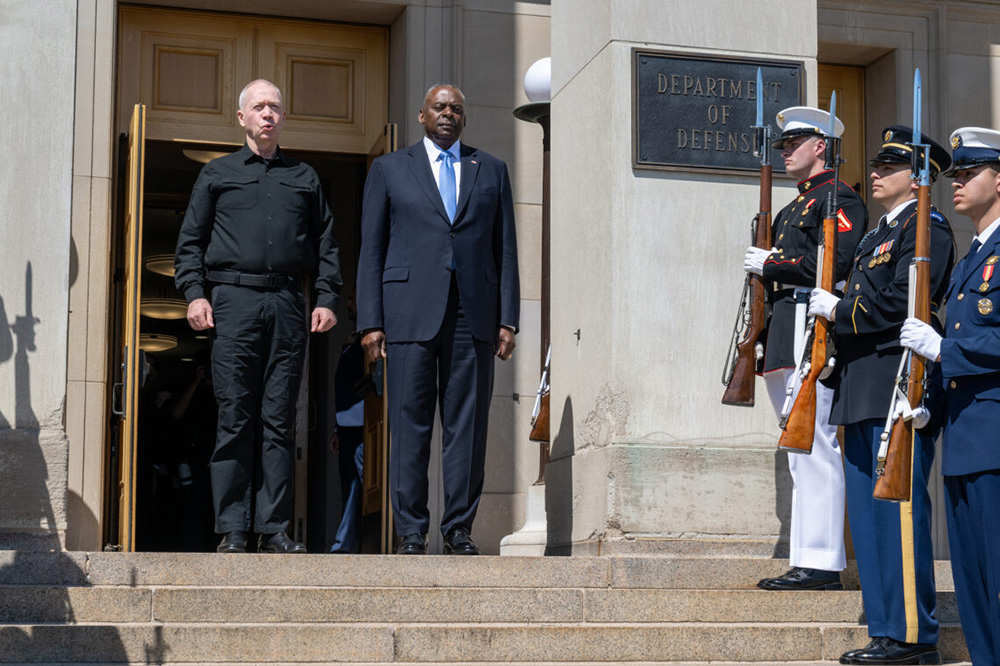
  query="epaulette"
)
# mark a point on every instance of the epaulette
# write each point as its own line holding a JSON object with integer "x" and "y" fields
{"x": 938, "y": 217}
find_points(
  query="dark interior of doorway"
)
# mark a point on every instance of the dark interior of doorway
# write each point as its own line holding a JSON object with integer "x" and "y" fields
{"x": 176, "y": 419}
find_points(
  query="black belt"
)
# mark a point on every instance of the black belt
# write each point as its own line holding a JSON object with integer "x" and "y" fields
{"x": 266, "y": 280}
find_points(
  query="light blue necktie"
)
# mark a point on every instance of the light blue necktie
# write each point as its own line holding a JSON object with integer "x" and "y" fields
{"x": 446, "y": 183}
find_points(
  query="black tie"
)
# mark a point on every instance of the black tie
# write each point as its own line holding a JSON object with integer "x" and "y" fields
{"x": 970, "y": 261}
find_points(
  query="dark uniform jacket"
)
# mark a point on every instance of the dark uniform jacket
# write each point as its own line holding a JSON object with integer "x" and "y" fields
{"x": 796, "y": 232}
{"x": 970, "y": 364}
{"x": 260, "y": 217}
{"x": 869, "y": 317}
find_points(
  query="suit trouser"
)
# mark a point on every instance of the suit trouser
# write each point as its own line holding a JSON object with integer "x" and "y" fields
{"x": 257, "y": 354}
{"x": 973, "y": 504}
{"x": 816, "y": 536}
{"x": 456, "y": 371}
{"x": 351, "y": 459}
{"x": 892, "y": 540}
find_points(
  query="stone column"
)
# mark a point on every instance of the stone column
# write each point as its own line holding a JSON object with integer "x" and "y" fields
{"x": 38, "y": 48}
{"x": 646, "y": 279}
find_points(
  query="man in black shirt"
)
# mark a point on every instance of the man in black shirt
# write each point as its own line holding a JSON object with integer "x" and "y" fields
{"x": 256, "y": 226}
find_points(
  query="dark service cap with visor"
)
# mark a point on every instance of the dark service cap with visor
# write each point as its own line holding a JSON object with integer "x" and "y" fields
{"x": 895, "y": 149}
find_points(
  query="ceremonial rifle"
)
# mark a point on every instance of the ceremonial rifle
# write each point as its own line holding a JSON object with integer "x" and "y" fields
{"x": 540, "y": 413}
{"x": 895, "y": 453}
{"x": 800, "y": 427}
{"x": 745, "y": 348}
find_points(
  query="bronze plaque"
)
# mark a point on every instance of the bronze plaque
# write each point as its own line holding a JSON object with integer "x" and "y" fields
{"x": 696, "y": 112}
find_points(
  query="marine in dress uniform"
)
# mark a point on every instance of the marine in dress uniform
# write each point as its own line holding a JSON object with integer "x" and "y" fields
{"x": 816, "y": 539}
{"x": 969, "y": 394}
{"x": 892, "y": 541}
{"x": 256, "y": 226}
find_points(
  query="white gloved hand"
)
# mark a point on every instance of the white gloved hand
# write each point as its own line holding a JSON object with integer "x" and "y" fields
{"x": 822, "y": 303}
{"x": 754, "y": 260}
{"x": 921, "y": 338}
{"x": 919, "y": 417}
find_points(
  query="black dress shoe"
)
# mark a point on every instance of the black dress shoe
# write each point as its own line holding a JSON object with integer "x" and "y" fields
{"x": 799, "y": 578}
{"x": 233, "y": 542}
{"x": 412, "y": 544}
{"x": 278, "y": 543}
{"x": 850, "y": 654}
{"x": 458, "y": 542}
{"x": 885, "y": 650}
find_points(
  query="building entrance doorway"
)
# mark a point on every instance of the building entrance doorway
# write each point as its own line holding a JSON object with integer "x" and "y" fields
{"x": 182, "y": 86}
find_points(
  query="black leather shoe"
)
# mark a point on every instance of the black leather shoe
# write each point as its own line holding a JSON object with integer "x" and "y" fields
{"x": 850, "y": 654}
{"x": 233, "y": 542}
{"x": 412, "y": 544}
{"x": 458, "y": 542}
{"x": 890, "y": 651}
{"x": 798, "y": 578}
{"x": 278, "y": 543}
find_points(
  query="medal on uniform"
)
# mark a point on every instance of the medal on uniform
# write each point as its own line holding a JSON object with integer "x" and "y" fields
{"x": 992, "y": 260}
{"x": 985, "y": 306}
{"x": 987, "y": 274}
{"x": 881, "y": 254}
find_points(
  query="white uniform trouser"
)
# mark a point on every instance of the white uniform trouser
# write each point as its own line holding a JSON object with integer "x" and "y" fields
{"x": 816, "y": 538}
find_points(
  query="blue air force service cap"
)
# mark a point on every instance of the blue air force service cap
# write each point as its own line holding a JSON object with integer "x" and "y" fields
{"x": 804, "y": 121}
{"x": 895, "y": 149}
{"x": 972, "y": 147}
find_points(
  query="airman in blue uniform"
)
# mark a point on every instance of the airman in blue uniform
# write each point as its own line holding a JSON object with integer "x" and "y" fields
{"x": 969, "y": 393}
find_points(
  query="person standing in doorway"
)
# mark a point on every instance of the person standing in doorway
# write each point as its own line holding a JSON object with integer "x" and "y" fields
{"x": 438, "y": 296}
{"x": 256, "y": 228}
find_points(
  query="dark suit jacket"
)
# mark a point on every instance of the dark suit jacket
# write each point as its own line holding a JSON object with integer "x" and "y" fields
{"x": 970, "y": 364}
{"x": 408, "y": 247}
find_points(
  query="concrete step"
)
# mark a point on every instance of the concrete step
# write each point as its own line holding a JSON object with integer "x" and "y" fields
{"x": 36, "y": 605}
{"x": 479, "y": 643}
{"x": 948, "y": 662}
{"x": 190, "y": 569}
{"x": 218, "y": 609}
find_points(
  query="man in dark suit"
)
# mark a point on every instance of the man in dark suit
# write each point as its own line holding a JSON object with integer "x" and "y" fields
{"x": 438, "y": 295}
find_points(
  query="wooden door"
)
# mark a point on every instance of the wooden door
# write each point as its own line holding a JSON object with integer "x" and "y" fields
{"x": 376, "y": 429}
{"x": 849, "y": 82}
{"x": 128, "y": 387}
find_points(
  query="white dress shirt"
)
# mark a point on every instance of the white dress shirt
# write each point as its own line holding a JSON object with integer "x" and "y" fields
{"x": 987, "y": 232}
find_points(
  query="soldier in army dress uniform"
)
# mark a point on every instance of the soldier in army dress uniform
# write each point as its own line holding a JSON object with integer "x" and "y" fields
{"x": 816, "y": 539}
{"x": 892, "y": 547}
{"x": 969, "y": 393}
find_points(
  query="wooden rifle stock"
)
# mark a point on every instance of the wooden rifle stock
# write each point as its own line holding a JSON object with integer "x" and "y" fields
{"x": 801, "y": 426}
{"x": 741, "y": 387}
{"x": 540, "y": 428}
{"x": 894, "y": 481}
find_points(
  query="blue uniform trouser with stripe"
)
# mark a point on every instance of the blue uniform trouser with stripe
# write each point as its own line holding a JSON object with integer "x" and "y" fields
{"x": 973, "y": 505}
{"x": 892, "y": 540}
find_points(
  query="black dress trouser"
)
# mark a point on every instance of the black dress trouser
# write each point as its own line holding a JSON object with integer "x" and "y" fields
{"x": 258, "y": 350}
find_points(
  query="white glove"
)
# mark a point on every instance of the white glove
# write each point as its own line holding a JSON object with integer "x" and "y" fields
{"x": 921, "y": 338}
{"x": 754, "y": 260}
{"x": 822, "y": 303}
{"x": 919, "y": 417}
